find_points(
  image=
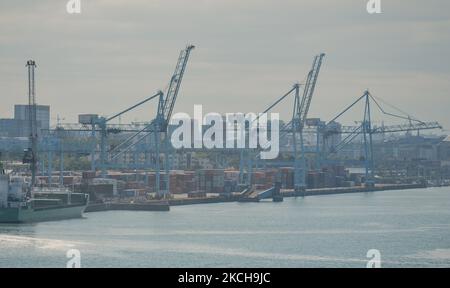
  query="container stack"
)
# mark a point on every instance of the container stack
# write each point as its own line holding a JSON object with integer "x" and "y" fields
{"x": 134, "y": 185}
{"x": 211, "y": 180}
{"x": 264, "y": 179}
{"x": 231, "y": 180}
{"x": 229, "y": 186}
{"x": 270, "y": 178}
{"x": 357, "y": 179}
{"x": 232, "y": 175}
{"x": 87, "y": 176}
{"x": 176, "y": 182}
{"x": 287, "y": 177}
{"x": 190, "y": 182}
{"x": 112, "y": 185}
{"x": 313, "y": 180}
{"x": 328, "y": 177}
{"x": 67, "y": 180}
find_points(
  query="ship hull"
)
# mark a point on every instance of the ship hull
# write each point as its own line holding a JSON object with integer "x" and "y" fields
{"x": 29, "y": 215}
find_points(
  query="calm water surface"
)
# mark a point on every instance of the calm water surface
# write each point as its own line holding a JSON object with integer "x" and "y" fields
{"x": 410, "y": 228}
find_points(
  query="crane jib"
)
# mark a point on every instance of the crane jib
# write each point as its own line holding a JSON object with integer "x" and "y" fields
{"x": 175, "y": 84}
{"x": 165, "y": 107}
{"x": 303, "y": 108}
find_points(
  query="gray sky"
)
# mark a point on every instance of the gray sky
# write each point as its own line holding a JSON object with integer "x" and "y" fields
{"x": 249, "y": 52}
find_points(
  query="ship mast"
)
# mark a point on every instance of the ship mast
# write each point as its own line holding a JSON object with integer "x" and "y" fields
{"x": 32, "y": 120}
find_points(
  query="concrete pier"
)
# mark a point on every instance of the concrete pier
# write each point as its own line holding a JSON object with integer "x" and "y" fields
{"x": 249, "y": 196}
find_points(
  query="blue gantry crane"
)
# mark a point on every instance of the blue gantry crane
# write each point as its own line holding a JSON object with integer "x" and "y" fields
{"x": 101, "y": 125}
{"x": 102, "y": 122}
{"x": 301, "y": 109}
{"x": 366, "y": 130}
{"x": 160, "y": 124}
{"x": 295, "y": 126}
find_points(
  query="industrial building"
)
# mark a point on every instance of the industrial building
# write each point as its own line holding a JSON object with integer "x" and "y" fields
{"x": 19, "y": 126}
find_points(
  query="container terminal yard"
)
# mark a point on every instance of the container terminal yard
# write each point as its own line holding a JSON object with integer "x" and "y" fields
{"x": 135, "y": 167}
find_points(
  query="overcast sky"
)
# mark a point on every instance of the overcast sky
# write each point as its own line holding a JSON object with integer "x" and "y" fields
{"x": 249, "y": 52}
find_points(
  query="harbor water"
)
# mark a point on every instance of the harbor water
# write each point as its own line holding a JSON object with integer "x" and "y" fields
{"x": 410, "y": 228}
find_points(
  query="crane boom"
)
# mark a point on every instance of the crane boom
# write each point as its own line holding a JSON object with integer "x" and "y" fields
{"x": 165, "y": 107}
{"x": 174, "y": 86}
{"x": 308, "y": 91}
{"x": 388, "y": 129}
{"x": 352, "y": 132}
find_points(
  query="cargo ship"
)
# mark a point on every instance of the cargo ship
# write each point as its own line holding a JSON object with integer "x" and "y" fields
{"x": 23, "y": 203}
